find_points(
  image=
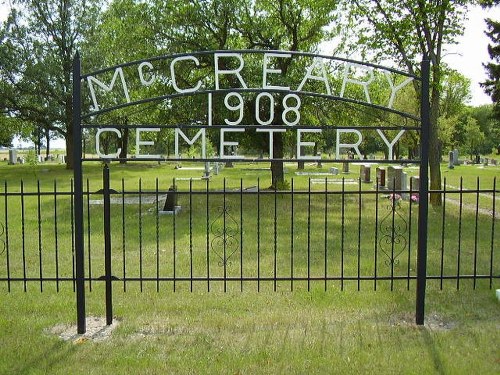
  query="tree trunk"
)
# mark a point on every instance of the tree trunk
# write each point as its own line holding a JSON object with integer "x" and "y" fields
{"x": 124, "y": 146}
{"x": 47, "y": 140}
{"x": 277, "y": 167}
{"x": 69, "y": 131}
{"x": 69, "y": 148}
{"x": 434, "y": 150}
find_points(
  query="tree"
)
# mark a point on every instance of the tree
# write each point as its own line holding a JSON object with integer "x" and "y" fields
{"x": 475, "y": 138}
{"x": 489, "y": 125}
{"x": 404, "y": 31}
{"x": 492, "y": 84}
{"x": 190, "y": 25}
{"x": 38, "y": 42}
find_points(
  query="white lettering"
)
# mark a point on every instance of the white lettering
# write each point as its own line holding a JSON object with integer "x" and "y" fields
{"x": 98, "y": 143}
{"x": 201, "y": 133}
{"x": 271, "y": 138}
{"x": 391, "y": 144}
{"x": 395, "y": 89}
{"x": 236, "y": 71}
{"x": 172, "y": 74}
{"x": 141, "y": 74}
{"x": 348, "y": 145}
{"x": 266, "y": 70}
{"x": 91, "y": 80}
{"x": 139, "y": 142}
{"x": 356, "y": 81}
{"x": 224, "y": 143}
{"x": 322, "y": 78}
{"x": 303, "y": 144}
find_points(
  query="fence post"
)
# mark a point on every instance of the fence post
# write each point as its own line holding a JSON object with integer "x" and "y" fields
{"x": 423, "y": 193}
{"x": 78, "y": 196}
{"x": 107, "y": 245}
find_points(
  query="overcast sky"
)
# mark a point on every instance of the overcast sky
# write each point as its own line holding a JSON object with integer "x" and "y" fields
{"x": 467, "y": 57}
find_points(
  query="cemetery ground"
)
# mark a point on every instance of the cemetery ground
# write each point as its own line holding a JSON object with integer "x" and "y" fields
{"x": 191, "y": 330}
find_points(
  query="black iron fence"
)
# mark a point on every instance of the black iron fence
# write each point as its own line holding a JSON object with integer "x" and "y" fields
{"x": 329, "y": 233}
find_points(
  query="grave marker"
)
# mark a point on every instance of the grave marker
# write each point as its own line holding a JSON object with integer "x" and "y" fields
{"x": 394, "y": 177}
{"x": 364, "y": 173}
{"x": 12, "y": 157}
{"x": 381, "y": 177}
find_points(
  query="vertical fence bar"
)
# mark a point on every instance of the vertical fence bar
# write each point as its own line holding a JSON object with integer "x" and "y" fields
{"x": 443, "y": 230}
{"x": 191, "y": 235}
{"x": 476, "y": 233}
{"x": 394, "y": 202}
{"x": 224, "y": 231}
{"x": 73, "y": 252}
{"x": 78, "y": 196}
{"x": 241, "y": 234}
{"x": 40, "y": 245}
{"x": 140, "y": 236}
{"x": 275, "y": 244}
{"x": 174, "y": 244}
{"x": 107, "y": 245}
{"x": 493, "y": 217}
{"x": 7, "y": 252}
{"x": 124, "y": 256}
{"x": 459, "y": 248}
{"x": 360, "y": 197}
{"x": 207, "y": 225}
{"x": 309, "y": 235}
{"x": 157, "y": 222}
{"x": 89, "y": 238}
{"x": 342, "y": 233}
{"x": 423, "y": 193}
{"x": 56, "y": 237}
{"x": 23, "y": 234}
{"x": 292, "y": 214}
{"x": 408, "y": 259}
{"x": 325, "y": 273}
{"x": 258, "y": 234}
{"x": 375, "y": 252}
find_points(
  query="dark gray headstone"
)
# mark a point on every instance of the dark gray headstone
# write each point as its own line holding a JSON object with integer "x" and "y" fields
{"x": 171, "y": 201}
{"x": 12, "y": 157}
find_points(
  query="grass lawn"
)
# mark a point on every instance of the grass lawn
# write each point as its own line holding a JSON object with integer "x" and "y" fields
{"x": 300, "y": 332}
{"x": 256, "y": 333}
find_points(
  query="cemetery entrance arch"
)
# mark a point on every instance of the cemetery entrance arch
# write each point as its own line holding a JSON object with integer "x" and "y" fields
{"x": 222, "y": 95}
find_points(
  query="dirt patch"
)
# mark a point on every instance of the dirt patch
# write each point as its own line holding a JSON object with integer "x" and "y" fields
{"x": 97, "y": 330}
{"x": 433, "y": 322}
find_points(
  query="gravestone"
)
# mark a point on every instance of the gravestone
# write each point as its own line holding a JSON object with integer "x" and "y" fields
{"x": 206, "y": 173}
{"x": 451, "y": 163}
{"x": 364, "y": 173}
{"x": 345, "y": 167}
{"x": 486, "y": 161}
{"x": 494, "y": 162}
{"x": 415, "y": 183}
{"x": 12, "y": 157}
{"x": 455, "y": 157}
{"x": 216, "y": 168}
{"x": 171, "y": 201}
{"x": 334, "y": 170}
{"x": 404, "y": 186}
{"x": 381, "y": 177}
{"x": 394, "y": 177}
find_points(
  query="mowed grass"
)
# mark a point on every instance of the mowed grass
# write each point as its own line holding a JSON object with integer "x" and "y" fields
{"x": 313, "y": 332}
{"x": 299, "y": 332}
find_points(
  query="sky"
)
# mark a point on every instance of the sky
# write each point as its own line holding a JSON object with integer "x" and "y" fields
{"x": 467, "y": 57}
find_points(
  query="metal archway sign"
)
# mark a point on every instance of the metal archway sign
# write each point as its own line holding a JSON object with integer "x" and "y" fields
{"x": 224, "y": 81}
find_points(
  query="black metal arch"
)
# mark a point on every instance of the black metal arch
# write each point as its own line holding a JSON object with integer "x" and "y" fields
{"x": 256, "y": 90}
{"x": 424, "y": 120}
